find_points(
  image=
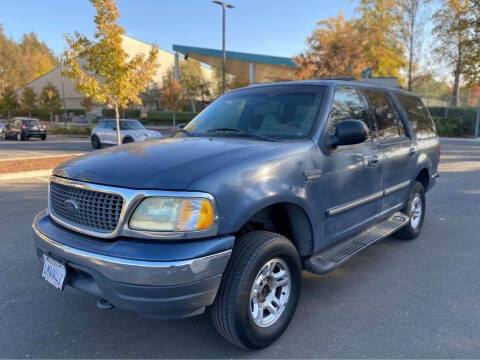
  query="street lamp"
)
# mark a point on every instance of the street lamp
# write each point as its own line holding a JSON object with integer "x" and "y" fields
{"x": 224, "y": 55}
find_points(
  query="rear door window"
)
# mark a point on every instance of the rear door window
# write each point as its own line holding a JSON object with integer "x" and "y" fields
{"x": 418, "y": 115}
{"x": 388, "y": 120}
{"x": 348, "y": 104}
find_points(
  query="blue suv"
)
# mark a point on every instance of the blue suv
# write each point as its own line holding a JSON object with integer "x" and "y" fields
{"x": 266, "y": 182}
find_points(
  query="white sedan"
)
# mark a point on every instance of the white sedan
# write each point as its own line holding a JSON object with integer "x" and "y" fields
{"x": 130, "y": 131}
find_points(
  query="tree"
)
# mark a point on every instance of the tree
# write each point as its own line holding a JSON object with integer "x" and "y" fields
{"x": 101, "y": 69}
{"x": 379, "y": 24}
{"x": 9, "y": 99}
{"x": 191, "y": 78}
{"x": 411, "y": 31}
{"x": 28, "y": 100}
{"x": 173, "y": 96}
{"x": 472, "y": 56}
{"x": 334, "y": 49}
{"x": 87, "y": 104}
{"x": 10, "y": 69}
{"x": 231, "y": 82}
{"x": 453, "y": 31}
{"x": 37, "y": 58}
{"x": 50, "y": 99}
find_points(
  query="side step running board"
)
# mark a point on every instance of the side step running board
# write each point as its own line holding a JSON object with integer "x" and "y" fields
{"x": 331, "y": 258}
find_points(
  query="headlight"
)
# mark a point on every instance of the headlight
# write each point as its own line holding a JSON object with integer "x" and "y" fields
{"x": 172, "y": 214}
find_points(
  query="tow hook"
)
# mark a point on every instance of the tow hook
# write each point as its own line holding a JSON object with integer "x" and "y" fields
{"x": 104, "y": 304}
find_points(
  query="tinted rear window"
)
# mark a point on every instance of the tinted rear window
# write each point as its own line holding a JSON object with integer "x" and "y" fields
{"x": 32, "y": 122}
{"x": 418, "y": 115}
{"x": 388, "y": 121}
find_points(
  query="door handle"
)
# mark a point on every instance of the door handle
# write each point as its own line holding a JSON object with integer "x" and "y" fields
{"x": 373, "y": 161}
{"x": 412, "y": 152}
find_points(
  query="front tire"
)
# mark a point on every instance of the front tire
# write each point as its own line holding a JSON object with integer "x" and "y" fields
{"x": 127, "y": 140}
{"x": 259, "y": 292}
{"x": 96, "y": 144}
{"x": 43, "y": 137}
{"x": 415, "y": 210}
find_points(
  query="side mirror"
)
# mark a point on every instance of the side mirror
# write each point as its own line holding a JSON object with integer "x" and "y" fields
{"x": 181, "y": 126}
{"x": 349, "y": 132}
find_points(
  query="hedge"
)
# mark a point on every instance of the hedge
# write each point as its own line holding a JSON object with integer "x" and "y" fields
{"x": 72, "y": 130}
{"x": 165, "y": 117}
{"x": 124, "y": 114}
{"x": 449, "y": 127}
{"x": 41, "y": 114}
{"x": 467, "y": 114}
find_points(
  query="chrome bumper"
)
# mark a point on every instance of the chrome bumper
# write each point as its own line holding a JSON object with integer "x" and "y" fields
{"x": 137, "y": 272}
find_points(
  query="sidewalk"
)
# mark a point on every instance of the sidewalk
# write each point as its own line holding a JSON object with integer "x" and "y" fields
{"x": 473, "y": 140}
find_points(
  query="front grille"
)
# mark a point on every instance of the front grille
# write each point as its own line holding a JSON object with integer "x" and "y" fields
{"x": 88, "y": 209}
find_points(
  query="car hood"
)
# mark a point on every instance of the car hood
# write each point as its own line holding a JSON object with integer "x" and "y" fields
{"x": 168, "y": 164}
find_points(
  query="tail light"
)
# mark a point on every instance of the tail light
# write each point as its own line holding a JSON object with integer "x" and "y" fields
{"x": 23, "y": 126}
{"x": 44, "y": 126}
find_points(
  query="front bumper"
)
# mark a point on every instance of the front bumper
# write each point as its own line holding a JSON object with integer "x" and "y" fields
{"x": 158, "y": 280}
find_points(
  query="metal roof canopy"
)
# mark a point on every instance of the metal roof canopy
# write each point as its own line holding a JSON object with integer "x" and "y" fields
{"x": 253, "y": 67}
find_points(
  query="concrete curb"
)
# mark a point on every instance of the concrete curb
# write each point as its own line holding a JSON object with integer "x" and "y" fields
{"x": 42, "y": 157}
{"x": 26, "y": 174}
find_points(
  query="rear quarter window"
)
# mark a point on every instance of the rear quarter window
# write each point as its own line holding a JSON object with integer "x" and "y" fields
{"x": 418, "y": 116}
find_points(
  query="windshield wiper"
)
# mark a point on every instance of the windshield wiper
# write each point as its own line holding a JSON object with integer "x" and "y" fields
{"x": 242, "y": 131}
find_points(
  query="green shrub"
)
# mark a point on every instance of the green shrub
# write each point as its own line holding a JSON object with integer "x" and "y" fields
{"x": 165, "y": 117}
{"x": 71, "y": 130}
{"x": 124, "y": 114}
{"x": 449, "y": 127}
{"x": 468, "y": 114}
{"x": 40, "y": 114}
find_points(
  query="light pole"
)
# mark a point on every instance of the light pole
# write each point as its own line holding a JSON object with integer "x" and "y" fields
{"x": 224, "y": 55}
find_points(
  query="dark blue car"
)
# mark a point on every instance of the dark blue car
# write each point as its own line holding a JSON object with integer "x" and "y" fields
{"x": 269, "y": 180}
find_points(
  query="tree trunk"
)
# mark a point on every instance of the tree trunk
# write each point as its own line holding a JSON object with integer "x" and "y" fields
{"x": 456, "y": 82}
{"x": 51, "y": 116}
{"x": 29, "y": 114}
{"x": 173, "y": 118}
{"x": 117, "y": 125}
{"x": 8, "y": 114}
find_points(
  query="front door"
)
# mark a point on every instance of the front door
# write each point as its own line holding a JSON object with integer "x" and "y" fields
{"x": 397, "y": 149}
{"x": 110, "y": 134}
{"x": 352, "y": 173}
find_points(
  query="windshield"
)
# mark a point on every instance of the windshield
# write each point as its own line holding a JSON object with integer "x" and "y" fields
{"x": 131, "y": 125}
{"x": 273, "y": 111}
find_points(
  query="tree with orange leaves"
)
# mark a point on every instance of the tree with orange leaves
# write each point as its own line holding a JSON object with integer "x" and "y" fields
{"x": 173, "y": 97}
{"x": 334, "y": 49}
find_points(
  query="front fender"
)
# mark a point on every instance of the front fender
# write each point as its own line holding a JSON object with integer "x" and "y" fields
{"x": 242, "y": 189}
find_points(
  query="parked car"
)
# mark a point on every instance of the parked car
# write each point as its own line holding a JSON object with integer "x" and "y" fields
{"x": 2, "y": 127}
{"x": 130, "y": 131}
{"x": 267, "y": 181}
{"x": 24, "y": 128}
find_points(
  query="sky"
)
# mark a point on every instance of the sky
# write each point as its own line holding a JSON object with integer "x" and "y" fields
{"x": 271, "y": 27}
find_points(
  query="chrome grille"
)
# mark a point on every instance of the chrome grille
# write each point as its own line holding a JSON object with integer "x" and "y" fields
{"x": 93, "y": 210}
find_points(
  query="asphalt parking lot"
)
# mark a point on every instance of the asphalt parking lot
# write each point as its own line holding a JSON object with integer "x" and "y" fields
{"x": 397, "y": 299}
{"x": 53, "y": 146}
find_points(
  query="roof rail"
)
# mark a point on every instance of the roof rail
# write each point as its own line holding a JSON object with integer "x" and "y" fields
{"x": 345, "y": 78}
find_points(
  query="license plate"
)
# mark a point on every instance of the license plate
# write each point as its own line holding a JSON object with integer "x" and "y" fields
{"x": 54, "y": 272}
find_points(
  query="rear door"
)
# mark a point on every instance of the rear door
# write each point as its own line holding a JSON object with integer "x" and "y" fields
{"x": 396, "y": 149}
{"x": 352, "y": 173}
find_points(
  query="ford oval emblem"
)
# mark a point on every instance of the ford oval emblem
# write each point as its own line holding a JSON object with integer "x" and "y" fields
{"x": 71, "y": 205}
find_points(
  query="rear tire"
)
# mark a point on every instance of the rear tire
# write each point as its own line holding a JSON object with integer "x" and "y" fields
{"x": 43, "y": 137}
{"x": 96, "y": 144}
{"x": 259, "y": 292}
{"x": 415, "y": 210}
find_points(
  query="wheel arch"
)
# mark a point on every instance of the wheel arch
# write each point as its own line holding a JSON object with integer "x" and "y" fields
{"x": 286, "y": 218}
{"x": 423, "y": 176}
